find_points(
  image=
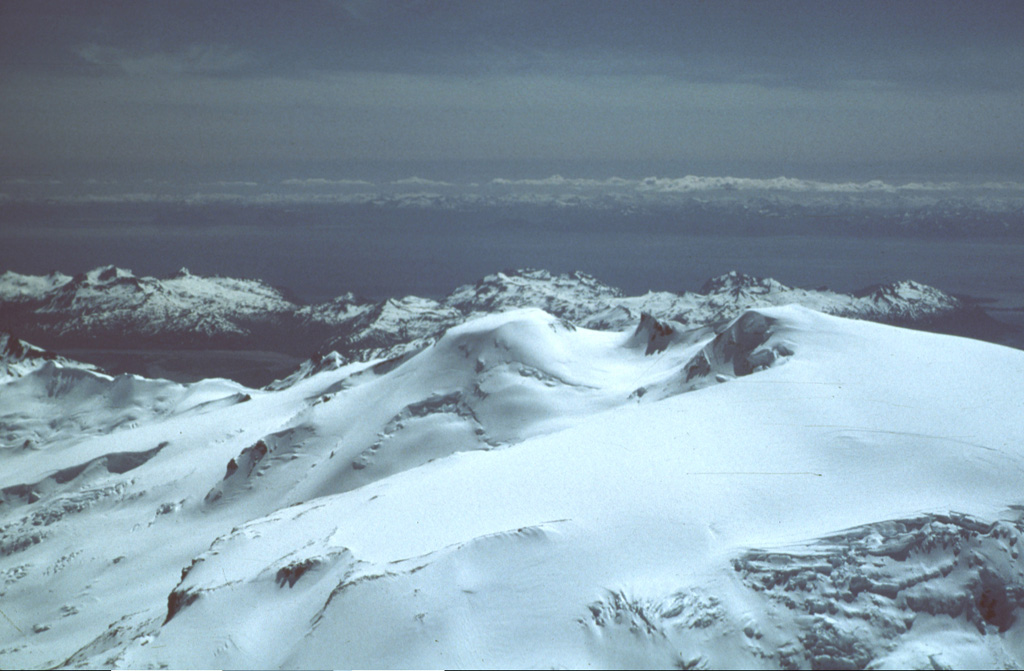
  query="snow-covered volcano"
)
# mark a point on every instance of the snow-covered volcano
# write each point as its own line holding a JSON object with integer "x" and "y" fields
{"x": 784, "y": 489}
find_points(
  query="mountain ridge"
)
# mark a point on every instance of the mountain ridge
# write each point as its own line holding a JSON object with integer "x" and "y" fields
{"x": 112, "y": 308}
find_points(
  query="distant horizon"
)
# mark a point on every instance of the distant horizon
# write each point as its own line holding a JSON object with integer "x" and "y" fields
{"x": 315, "y": 264}
{"x": 407, "y": 147}
{"x": 468, "y": 170}
{"x": 319, "y": 184}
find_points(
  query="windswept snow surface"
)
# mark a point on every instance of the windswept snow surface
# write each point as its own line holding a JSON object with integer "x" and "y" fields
{"x": 787, "y": 490}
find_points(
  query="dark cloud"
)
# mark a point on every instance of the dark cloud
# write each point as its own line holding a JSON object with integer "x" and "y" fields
{"x": 782, "y": 83}
{"x": 794, "y": 42}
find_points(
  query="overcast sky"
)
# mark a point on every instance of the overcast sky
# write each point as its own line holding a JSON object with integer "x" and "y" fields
{"x": 313, "y": 89}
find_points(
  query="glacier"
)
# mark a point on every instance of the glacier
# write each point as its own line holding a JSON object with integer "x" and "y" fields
{"x": 545, "y": 473}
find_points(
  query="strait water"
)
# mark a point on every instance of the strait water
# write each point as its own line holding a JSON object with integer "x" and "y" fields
{"x": 318, "y": 260}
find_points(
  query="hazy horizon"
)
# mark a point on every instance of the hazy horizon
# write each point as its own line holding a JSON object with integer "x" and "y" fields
{"x": 406, "y": 147}
{"x": 439, "y": 90}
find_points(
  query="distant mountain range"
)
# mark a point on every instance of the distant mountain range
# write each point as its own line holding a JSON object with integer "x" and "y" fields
{"x": 111, "y": 308}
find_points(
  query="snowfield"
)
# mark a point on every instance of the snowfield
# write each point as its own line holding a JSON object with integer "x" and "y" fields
{"x": 781, "y": 489}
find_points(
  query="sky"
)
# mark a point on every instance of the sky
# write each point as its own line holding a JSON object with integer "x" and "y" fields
{"x": 356, "y": 89}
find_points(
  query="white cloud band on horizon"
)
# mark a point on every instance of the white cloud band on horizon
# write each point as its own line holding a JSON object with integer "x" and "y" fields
{"x": 555, "y": 190}
{"x": 323, "y": 182}
{"x": 421, "y": 181}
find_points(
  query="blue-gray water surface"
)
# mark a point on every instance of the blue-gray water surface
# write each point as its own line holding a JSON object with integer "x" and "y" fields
{"x": 319, "y": 258}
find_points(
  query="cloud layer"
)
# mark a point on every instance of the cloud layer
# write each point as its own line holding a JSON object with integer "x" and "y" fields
{"x": 161, "y": 85}
{"x": 553, "y": 190}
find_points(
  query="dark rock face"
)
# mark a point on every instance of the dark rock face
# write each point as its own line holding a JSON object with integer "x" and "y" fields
{"x": 176, "y": 601}
{"x": 739, "y": 344}
{"x": 15, "y": 354}
{"x": 740, "y": 349}
{"x": 655, "y": 333}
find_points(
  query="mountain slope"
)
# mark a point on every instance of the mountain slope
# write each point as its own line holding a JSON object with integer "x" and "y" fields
{"x": 820, "y": 492}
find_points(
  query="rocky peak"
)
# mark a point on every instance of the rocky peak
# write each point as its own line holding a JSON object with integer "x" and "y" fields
{"x": 108, "y": 274}
{"x": 11, "y": 347}
{"x": 907, "y": 291}
{"x": 529, "y": 287}
{"x": 735, "y": 283}
{"x": 653, "y": 334}
{"x": 18, "y": 357}
{"x": 99, "y": 278}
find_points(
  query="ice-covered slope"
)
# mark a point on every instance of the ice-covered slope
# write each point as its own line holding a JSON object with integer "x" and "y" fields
{"x": 486, "y": 384}
{"x": 794, "y": 491}
{"x": 60, "y": 403}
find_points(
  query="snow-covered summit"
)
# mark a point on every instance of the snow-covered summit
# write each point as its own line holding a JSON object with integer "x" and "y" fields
{"x": 19, "y": 358}
{"x": 795, "y": 490}
{"x": 112, "y": 307}
{"x": 105, "y": 275}
{"x": 15, "y": 287}
{"x": 736, "y": 283}
{"x": 906, "y": 299}
{"x": 557, "y": 294}
{"x": 894, "y": 302}
{"x": 391, "y": 326}
{"x": 336, "y": 311}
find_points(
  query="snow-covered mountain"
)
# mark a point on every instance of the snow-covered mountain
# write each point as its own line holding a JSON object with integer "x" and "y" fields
{"x": 111, "y": 308}
{"x": 19, "y": 358}
{"x": 583, "y": 299}
{"x": 787, "y": 489}
{"x": 586, "y": 301}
